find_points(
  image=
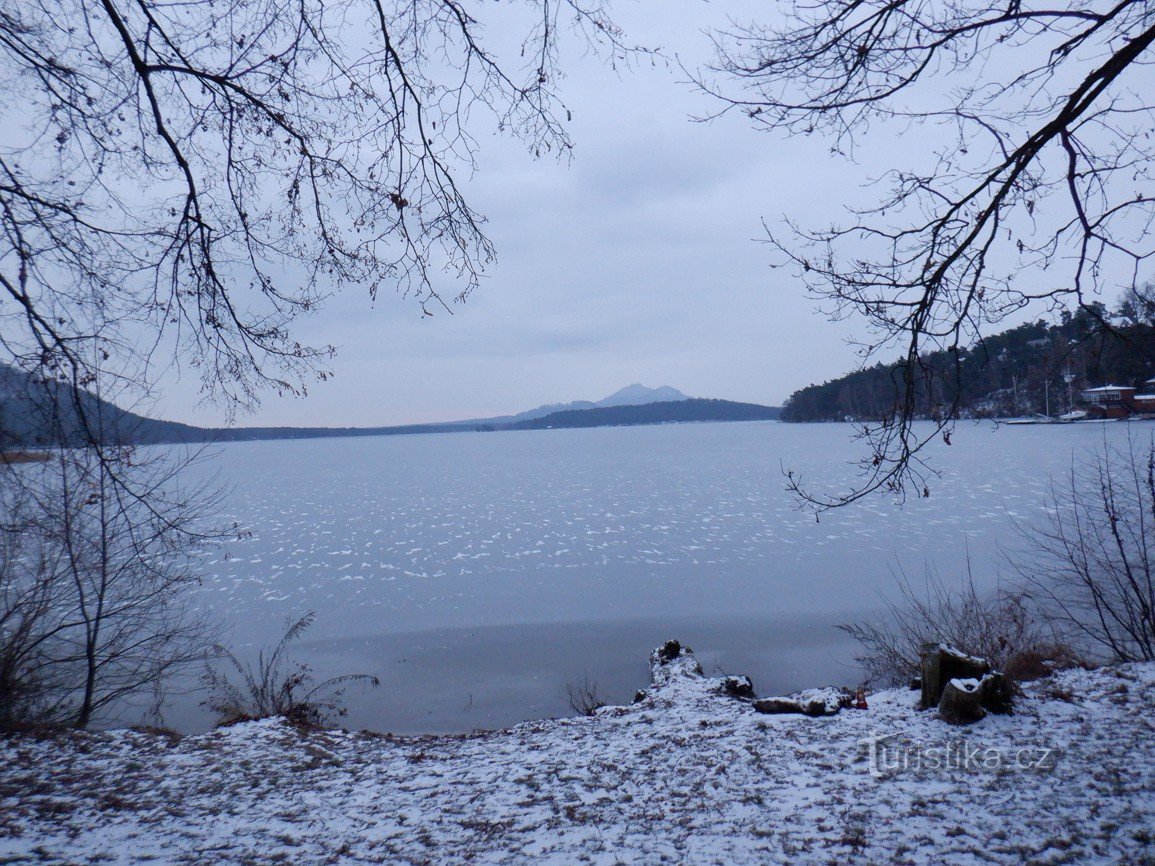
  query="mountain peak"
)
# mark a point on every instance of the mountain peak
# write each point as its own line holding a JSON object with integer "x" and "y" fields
{"x": 631, "y": 395}
{"x": 637, "y": 394}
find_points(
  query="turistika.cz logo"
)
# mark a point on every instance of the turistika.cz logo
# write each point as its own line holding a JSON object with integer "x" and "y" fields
{"x": 892, "y": 754}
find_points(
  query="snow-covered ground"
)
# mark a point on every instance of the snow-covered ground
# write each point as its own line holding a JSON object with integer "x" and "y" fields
{"x": 686, "y": 775}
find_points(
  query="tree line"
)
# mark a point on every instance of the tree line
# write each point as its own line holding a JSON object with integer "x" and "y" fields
{"x": 1032, "y": 368}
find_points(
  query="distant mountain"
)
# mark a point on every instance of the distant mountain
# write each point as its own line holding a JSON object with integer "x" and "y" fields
{"x": 664, "y": 412}
{"x": 631, "y": 395}
{"x": 639, "y": 395}
{"x": 35, "y": 411}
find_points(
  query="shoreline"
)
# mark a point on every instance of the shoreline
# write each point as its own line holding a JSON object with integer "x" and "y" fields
{"x": 490, "y": 677}
{"x": 687, "y": 774}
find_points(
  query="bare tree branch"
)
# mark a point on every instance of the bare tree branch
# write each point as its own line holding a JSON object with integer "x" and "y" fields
{"x": 184, "y": 180}
{"x": 1042, "y": 193}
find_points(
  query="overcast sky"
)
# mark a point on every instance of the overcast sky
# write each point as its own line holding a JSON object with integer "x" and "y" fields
{"x": 639, "y": 261}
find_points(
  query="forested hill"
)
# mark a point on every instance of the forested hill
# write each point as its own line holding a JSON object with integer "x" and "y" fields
{"x": 1009, "y": 374}
{"x": 671, "y": 412}
{"x": 37, "y": 411}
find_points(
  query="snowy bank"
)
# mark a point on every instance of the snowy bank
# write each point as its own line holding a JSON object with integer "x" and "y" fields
{"x": 687, "y": 774}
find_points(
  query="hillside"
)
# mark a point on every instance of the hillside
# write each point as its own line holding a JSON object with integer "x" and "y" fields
{"x": 1024, "y": 370}
{"x": 37, "y": 412}
{"x": 684, "y": 775}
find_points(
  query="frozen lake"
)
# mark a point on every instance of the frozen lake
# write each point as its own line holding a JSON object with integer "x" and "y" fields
{"x": 478, "y": 574}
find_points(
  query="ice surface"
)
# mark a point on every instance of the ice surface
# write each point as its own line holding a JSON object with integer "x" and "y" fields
{"x": 387, "y": 536}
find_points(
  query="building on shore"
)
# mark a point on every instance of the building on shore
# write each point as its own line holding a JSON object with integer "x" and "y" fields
{"x": 1119, "y": 401}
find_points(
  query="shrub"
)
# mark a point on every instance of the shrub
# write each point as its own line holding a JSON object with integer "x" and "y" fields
{"x": 1035, "y": 663}
{"x": 277, "y": 686}
{"x": 584, "y": 697}
{"x": 1001, "y": 627}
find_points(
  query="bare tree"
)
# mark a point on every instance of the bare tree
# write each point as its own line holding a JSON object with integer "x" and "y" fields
{"x": 191, "y": 177}
{"x": 97, "y": 581}
{"x": 1039, "y": 188}
{"x": 1091, "y": 560}
{"x": 29, "y": 596}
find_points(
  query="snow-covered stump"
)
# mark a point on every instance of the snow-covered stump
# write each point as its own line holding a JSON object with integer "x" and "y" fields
{"x": 963, "y": 687}
{"x": 673, "y": 666}
{"x": 961, "y": 702}
{"x": 738, "y": 687}
{"x": 940, "y": 665}
{"x": 997, "y": 693}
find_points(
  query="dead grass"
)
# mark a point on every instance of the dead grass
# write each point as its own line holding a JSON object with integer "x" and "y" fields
{"x": 1039, "y": 662}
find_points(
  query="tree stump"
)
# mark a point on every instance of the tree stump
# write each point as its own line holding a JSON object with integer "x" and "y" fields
{"x": 961, "y": 701}
{"x": 777, "y": 706}
{"x": 940, "y": 665}
{"x": 997, "y": 694}
{"x": 738, "y": 687}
